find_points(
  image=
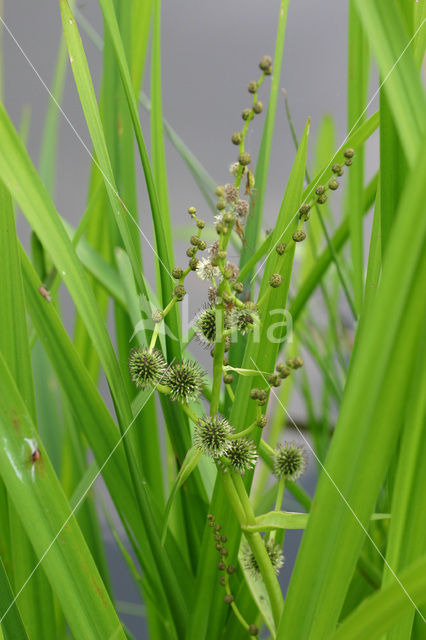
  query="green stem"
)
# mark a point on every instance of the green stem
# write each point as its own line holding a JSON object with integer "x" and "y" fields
{"x": 234, "y": 607}
{"x": 158, "y": 324}
{"x": 258, "y": 547}
{"x": 245, "y": 432}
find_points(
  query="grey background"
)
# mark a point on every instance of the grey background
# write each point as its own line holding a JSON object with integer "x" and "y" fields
{"x": 210, "y": 52}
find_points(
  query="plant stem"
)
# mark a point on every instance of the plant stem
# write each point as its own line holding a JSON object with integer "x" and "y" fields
{"x": 258, "y": 547}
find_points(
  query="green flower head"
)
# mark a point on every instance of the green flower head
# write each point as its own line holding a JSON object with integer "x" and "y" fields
{"x": 185, "y": 380}
{"x": 275, "y": 554}
{"x": 146, "y": 367}
{"x": 241, "y": 455}
{"x": 290, "y": 461}
{"x": 211, "y": 436}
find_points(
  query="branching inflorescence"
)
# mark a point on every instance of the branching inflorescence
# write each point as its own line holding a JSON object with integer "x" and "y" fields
{"x": 229, "y": 311}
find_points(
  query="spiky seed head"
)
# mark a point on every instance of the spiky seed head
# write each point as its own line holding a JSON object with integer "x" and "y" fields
{"x": 274, "y": 552}
{"x": 221, "y": 565}
{"x": 194, "y": 240}
{"x": 242, "y": 455}
{"x": 275, "y": 280}
{"x": 246, "y": 114}
{"x": 220, "y": 205}
{"x": 237, "y": 138}
{"x": 320, "y": 190}
{"x": 211, "y": 436}
{"x": 258, "y": 107}
{"x": 192, "y": 211}
{"x": 322, "y": 199}
{"x": 146, "y": 367}
{"x": 185, "y": 380}
{"x": 202, "y": 245}
{"x": 280, "y": 248}
{"x": 254, "y": 393}
{"x": 157, "y": 315}
{"x": 238, "y": 287}
{"x": 299, "y": 236}
{"x": 228, "y": 598}
{"x": 228, "y": 378}
{"x": 336, "y": 168}
{"x": 349, "y": 153}
{"x": 265, "y": 63}
{"x": 228, "y": 217}
{"x": 205, "y": 326}
{"x": 220, "y": 190}
{"x": 252, "y": 86}
{"x": 244, "y": 158}
{"x": 177, "y": 273}
{"x": 179, "y": 291}
{"x": 289, "y": 461}
{"x": 348, "y": 162}
{"x": 253, "y": 630}
{"x": 190, "y": 252}
{"x": 242, "y": 208}
{"x": 201, "y": 224}
{"x": 333, "y": 184}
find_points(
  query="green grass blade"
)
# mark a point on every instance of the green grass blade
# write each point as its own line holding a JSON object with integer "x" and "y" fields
{"x": 374, "y": 394}
{"x": 14, "y": 345}
{"x": 262, "y": 167}
{"x": 102, "y": 436}
{"x": 393, "y": 169}
{"x": 188, "y": 465}
{"x": 325, "y": 259}
{"x": 402, "y": 85}
{"x": 13, "y": 625}
{"x": 90, "y": 108}
{"x": 41, "y": 504}
{"x": 204, "y": 181}
{"x": 158, "y": 153}
{"x": 158, "y": 214}
{"x": 48, "y": 156}
{"x": 37, "y": 206}
{"x": 406, "y": 540}
{"x": 141, "y": 13}
{"x": 148, "y": 445}
{"x": 381, "y": 611}
{"x": 358, "y": 76}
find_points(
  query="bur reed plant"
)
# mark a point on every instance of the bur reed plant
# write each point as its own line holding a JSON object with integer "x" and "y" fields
{"x": 204, "y": 466}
